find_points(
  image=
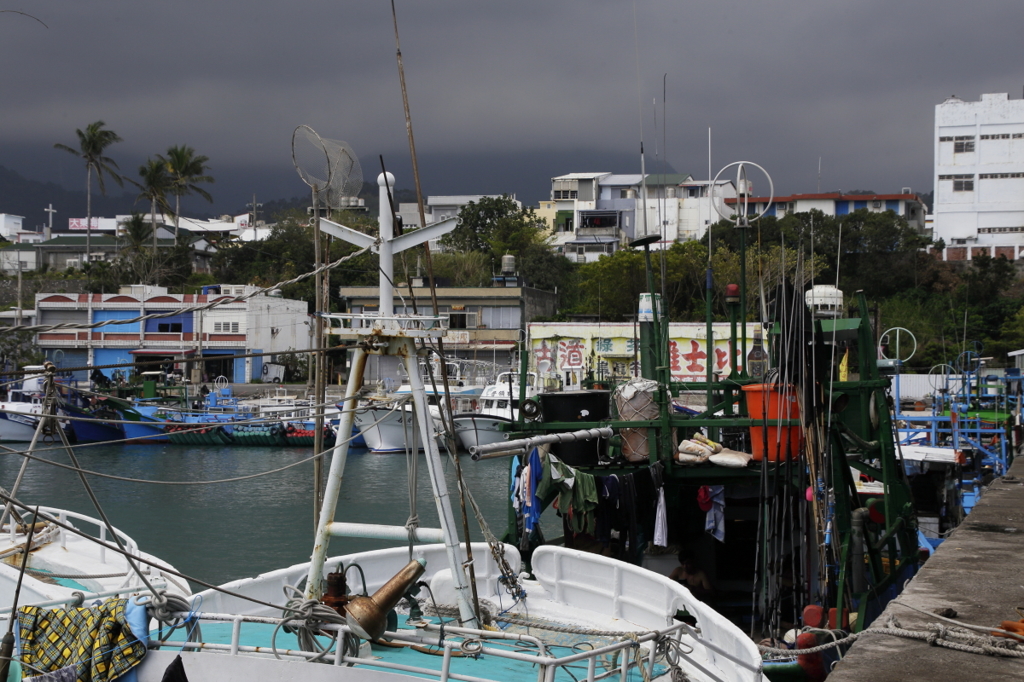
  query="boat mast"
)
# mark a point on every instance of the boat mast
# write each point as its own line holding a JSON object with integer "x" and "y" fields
{"x": 388, "y": 334}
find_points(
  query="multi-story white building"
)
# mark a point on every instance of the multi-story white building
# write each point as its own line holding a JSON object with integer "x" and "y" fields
{"x": 261, "y": 324}
{"x": 10, "y": 226}
{"x": 905, "y": 204}
{"x": 593, "y": 214}
{"x": 979, "y": 176}
{"x": 440, "y": 208}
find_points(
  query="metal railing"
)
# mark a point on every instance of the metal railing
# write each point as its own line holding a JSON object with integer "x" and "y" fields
{"x": 469, "y": 642}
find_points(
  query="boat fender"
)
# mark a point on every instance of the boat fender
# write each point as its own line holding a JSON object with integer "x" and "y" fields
{"x": 291, "y": 429}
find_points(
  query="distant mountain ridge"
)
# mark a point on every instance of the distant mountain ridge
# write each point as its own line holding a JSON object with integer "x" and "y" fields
{"x": 29, "y": 198}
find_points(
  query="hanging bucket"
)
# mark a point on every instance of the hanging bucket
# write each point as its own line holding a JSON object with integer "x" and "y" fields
{"x": 767, "y": 404}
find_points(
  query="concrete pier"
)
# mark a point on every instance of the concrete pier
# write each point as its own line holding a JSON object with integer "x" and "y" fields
{"x": 979, "y": 572}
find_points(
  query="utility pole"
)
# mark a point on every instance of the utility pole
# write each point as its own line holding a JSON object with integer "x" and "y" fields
{"x": 17, "y": 322}
{"x": 49, "y": 225}
{"x": 254, "y": 206}
{"x": 197, "y": 369}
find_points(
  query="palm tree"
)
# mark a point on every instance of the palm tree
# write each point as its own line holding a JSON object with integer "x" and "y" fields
{"x": 187, "y": 169}
{"x": 91, "y": 144}
{"x": 156, "y": 185}
{"x": 135, "y": 232}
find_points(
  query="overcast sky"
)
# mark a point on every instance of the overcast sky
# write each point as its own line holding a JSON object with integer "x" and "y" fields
{"x": 504, "y": 95}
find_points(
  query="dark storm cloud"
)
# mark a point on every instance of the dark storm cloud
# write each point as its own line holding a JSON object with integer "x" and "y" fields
{"x": 495, "y": 85}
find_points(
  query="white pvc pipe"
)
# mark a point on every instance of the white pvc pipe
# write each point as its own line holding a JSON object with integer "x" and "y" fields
{"x": 332, "y": 490}
{"x": 381, "y": 532}
{"x": 528, "y": 443}
{"x": 438, "y": 484}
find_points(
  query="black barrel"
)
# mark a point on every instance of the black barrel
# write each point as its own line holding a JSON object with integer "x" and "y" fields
{"x": 577, "y": 406}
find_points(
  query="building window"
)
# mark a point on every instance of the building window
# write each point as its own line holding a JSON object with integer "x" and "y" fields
{"x": 996, "y": 230}
{"x": 225, "y": 327}
{"x": 962, "y": 146}
{"x": 961, "y": 183}
{"x": 999, "y": 136}
{"x": 169, "y": 327}
{"x": 995, "y": 176}
{"x": 565, "y": 194}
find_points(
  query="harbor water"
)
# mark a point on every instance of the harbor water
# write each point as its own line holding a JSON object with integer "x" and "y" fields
{"x": 224, "y": 531}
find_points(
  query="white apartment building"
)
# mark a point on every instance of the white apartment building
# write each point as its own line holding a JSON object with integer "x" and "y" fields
{"x": 905, "y": 204}
{"x": 979, "y": 176}
{"x": 437, "y": 208}
{"x": 594, "y": 214}
{"x": 10, "y": 226}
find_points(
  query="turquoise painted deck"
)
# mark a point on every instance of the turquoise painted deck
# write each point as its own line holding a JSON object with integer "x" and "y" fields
{"x": 491, "y": 667}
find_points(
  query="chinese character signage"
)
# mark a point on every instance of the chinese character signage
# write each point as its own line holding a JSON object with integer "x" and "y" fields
{"x": 570, "y": 354}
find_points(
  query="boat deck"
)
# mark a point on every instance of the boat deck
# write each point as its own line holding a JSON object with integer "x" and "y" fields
{"x": 978, "y": 572}
{"x": 410, "y": 657}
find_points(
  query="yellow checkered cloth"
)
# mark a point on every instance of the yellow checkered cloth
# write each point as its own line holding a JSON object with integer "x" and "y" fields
{"x": 98, "y": 640}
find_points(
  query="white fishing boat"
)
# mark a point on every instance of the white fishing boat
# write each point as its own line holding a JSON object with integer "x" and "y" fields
{"x": 386, "y": 419}
{"x": 63, "y": 562}
{"x": 18, "y": 420}
{"x": 469, "y": 612}
{"x": 498, "y": 407}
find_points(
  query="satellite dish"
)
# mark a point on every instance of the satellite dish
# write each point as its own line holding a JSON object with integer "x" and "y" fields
{"x": 329, "y": 167}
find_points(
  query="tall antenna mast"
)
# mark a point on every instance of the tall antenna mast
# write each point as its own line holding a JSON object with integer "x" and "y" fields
{"x": 640, "y": 105}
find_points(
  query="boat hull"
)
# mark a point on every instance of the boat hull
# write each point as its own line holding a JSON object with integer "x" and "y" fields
{"x": 386, "y": 430}
{"x": 16, "y": 427}
{"x": 144, "y": 432}
{"x": 473, "y": 430}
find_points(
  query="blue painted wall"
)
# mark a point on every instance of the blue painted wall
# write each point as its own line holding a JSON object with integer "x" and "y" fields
{"x": 892, "y": 205}
{"x": 185, "y": 320}
{"x": 857, "y": 205}
{"x": 110, "y": 356}
{"x": 257, "y": 365}
{"x": 842, "y": 208}
{"x": 103, "y": 315}
{"x": 71, "y": 358}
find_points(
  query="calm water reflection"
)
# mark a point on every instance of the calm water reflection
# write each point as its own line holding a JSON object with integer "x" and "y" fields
{"x": 233, "y": 530}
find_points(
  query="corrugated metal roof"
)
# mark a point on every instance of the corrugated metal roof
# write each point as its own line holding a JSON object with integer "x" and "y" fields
{"x": 580, "y": 176}
{"x": 628, "y": 180}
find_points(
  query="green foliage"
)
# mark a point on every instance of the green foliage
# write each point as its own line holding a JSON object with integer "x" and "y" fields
{"x": 496, "y": 226}
{"x": 18, "y": 348}
{"x": 137, "y": 262}
{"x": 186, "y": 170}
{"x": 612, "y": 285}
{"x": 92, "y": 143}
{"x": 470, "y": 269}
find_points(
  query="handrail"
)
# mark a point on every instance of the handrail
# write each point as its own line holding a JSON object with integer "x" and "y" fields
{"x": 546, "y": 661}
{"x": 56, "y": 514}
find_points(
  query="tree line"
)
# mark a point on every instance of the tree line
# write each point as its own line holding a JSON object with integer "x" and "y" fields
{"x": 179, "y": 173}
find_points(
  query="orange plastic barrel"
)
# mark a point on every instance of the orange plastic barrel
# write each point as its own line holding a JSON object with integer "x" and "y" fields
{"x": 769, "y": 403}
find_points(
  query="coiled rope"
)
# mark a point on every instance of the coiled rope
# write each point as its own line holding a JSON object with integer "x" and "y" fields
{"x": 313, "y": 615}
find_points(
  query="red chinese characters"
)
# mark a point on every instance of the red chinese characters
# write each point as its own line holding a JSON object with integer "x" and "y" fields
{"x": 570, "y": 354}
